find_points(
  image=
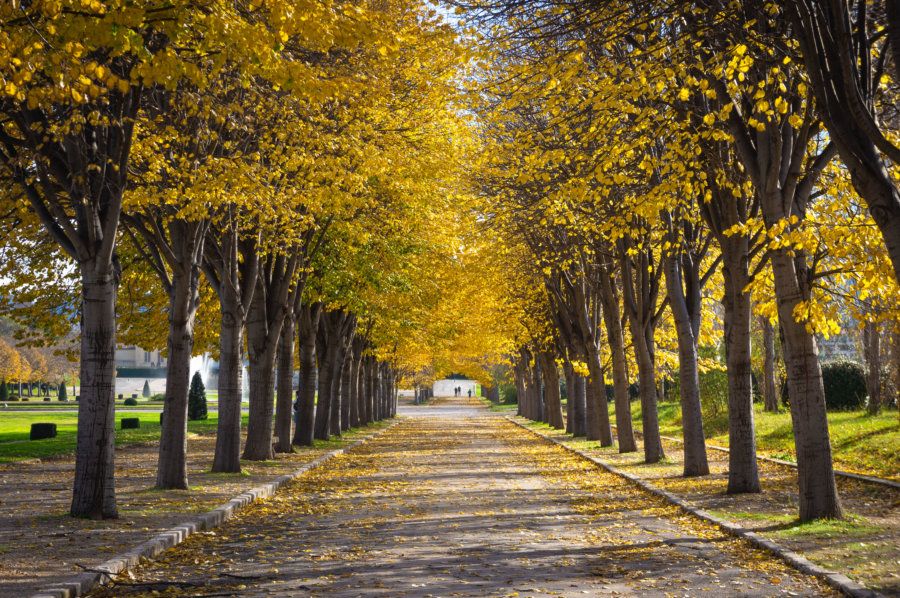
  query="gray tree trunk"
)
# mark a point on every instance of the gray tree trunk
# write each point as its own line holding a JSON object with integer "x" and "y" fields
{"x": 770, "y": 389}
{"x": 184, "y": 299}
{"x": 284, "y": 401}
{"x": 521, "y": 396}
{"x": 227, "y": 457}
{"x": 552, "y": 404}
{"x": 94, "y": 489}
{"x": 743, "y": 472}
{"x": 598, "y": 424}
{"x": 579, "y": 428}
{"x": 615, "y": 337}
{"x": 872, "y": 353}
{"x": 308, "y": 325}
{"x": 569, "y": 373}
{"x": 327, "y": 366}
{"x": 683, "y": 285}
{"x": 354, "y": 418}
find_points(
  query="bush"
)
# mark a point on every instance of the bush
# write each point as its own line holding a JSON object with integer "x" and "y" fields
{"x": 62, "y": 392}
{"x": 47, "y": 399}
{"x": 130, "y": 401}
{"x": 131, "y": 423}
{"x": 146, "y": 391}
{"x": 509, "y": 394}
{"x": 13, "y": 398}
{"x": 197, "y": 398}
{"x": 40, "y": 431}
{"x": 845, "y": 386}
{"x": 158, "y": 397}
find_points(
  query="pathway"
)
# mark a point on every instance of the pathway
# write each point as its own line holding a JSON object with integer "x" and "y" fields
{"x": 456, "y": 502}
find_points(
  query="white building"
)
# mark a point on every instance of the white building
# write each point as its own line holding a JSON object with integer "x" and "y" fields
{"x": 444, "y": 388}
{"x": 135, "y": 357}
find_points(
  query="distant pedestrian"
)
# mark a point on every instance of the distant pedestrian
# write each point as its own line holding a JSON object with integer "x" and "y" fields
{"x": 470, "y": 393}
{"x": 296, "y": 408}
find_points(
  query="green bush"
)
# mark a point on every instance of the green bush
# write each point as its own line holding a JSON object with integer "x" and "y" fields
{"x": 197, "y": 398}
{"x": 845, "y": 386}
{"x": 62, "y": 392}
{"x": 131, "y": 423}
{"x": 158, "y": 397}
{"x": 146, "y": 391}
{"x": 40, "y": 431}
{"x": 509, "y": 394}
{"x": 130, "y": 401}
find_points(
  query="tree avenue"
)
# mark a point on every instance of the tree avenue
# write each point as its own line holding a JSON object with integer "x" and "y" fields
{"x": 598, "y": 201}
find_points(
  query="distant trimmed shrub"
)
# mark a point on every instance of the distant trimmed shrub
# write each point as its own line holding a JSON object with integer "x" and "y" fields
{"x": 47, "y": 399}
{"x": 131, "y": 401}
{"x": 845, "y": 385}
{"x": 509, "y": 394}
{"x": 62, "y": 392}
{"x": 131, "y": 423}
{"x": 40, "y": 431}
{"x": 197, "y": 398}
{"x": 160, "y": 396}
{"x": 146, "y": 391}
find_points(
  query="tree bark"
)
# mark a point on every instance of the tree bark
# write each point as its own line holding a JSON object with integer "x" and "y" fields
{"x": 815, "y": 473}
{"x": 616, "y": 339}
{"x": 227, "y": 457}
{"x": 308, "y": 325}
{"x": 683, "y": 285}
{"x": 284, "y": 400}
{"x": 327, "y": 359}
{"x": 354, "y": 418}
{"x": 553, "y": 405}
{"x": 743, "y": 472}
{"x": 770, "y": 389}
{"x": 184, "y": 299}
{"x": 521, "y": 397}
{"x": 569, "y": 373}
{"x": 872, "y": 351}
{"x": 94, "y": 489}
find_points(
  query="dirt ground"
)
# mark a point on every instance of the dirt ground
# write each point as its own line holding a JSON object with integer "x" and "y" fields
{"x": 865, "y": 546}
{"x": 450, "y": 503}
{"x": 40, "y": 544}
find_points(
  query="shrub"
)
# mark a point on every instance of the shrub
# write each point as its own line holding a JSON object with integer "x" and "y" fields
{"x": 146, "y": 391}
{"x": 197, "y": 398}
{"x": 47, "y": 399}
{"x": 130, "y": 401}
{"x": 13, "y": 398}
{"x": 844, "y": 382}
{"x": 158, "y": 397}
{"x": 845, "y": 385}
{"x": 39, "y": 431}
{"x": 62, "y": 392}
{"x": 131, "y": 423}
{"x": 510, "y": 395}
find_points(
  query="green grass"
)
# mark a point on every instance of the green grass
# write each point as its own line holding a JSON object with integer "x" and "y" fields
{"x": 17, "y": 426}
{"x": 860, "y": 442}
{"x": 502, "y": 406}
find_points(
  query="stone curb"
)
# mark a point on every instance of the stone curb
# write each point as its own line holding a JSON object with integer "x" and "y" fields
{"x": 837, "y": 580}
{"x": 837, "y": 472}
{"x": 106, "y": 572}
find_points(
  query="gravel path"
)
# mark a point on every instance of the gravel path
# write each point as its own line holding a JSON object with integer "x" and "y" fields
{"x": 456, "y": 502}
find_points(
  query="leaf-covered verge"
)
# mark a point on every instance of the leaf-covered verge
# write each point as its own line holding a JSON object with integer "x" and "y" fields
{"x": 40, "y": 543}
{"x": 864, "y": 546}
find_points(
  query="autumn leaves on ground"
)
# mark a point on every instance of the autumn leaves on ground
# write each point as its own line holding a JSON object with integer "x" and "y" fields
{"x": 455, "y": 501}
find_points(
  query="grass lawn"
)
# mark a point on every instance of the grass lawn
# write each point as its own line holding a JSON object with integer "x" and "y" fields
{"x": 860, "y": 443}
{"x": 17, "y": 426}
{"x": 502, "y": 406}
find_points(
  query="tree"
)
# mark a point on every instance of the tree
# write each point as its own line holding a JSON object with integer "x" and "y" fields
{"x": 145, "y": 392}
{"x": 197, "y": 398}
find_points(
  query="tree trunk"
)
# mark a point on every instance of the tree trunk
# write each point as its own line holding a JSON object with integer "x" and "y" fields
{"x": 94, "y": 489}
{"x": 372, "y": 391}
{"x": 569, "y": 373}
{"x": 354, "y": 415}
{"x": 683, "y": 285}
{"x": 521, "y": 390}
{"x": 743, "y": 473}
{"x": 770, "y": 389}
{"x": 327, "y": 366}
{"x": 307, "y": 327}
{"x": 227, "y": 458}
{"x": 284, "y": 401}
{"x": 817, "y": 490}
{"x": 262, "y": 388}
{"x": 345, "y": 391}
{"x": 616, "y": 338}
{"x": 598, "y": 426}
{"x": 536, "y": 400}
{"x": 552, "y": 405}
{"x": 872, "y": 351}
{"x": 645, "y": 355}
{"x": 183, "y": 302}
{"x": 579, "y": 427}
